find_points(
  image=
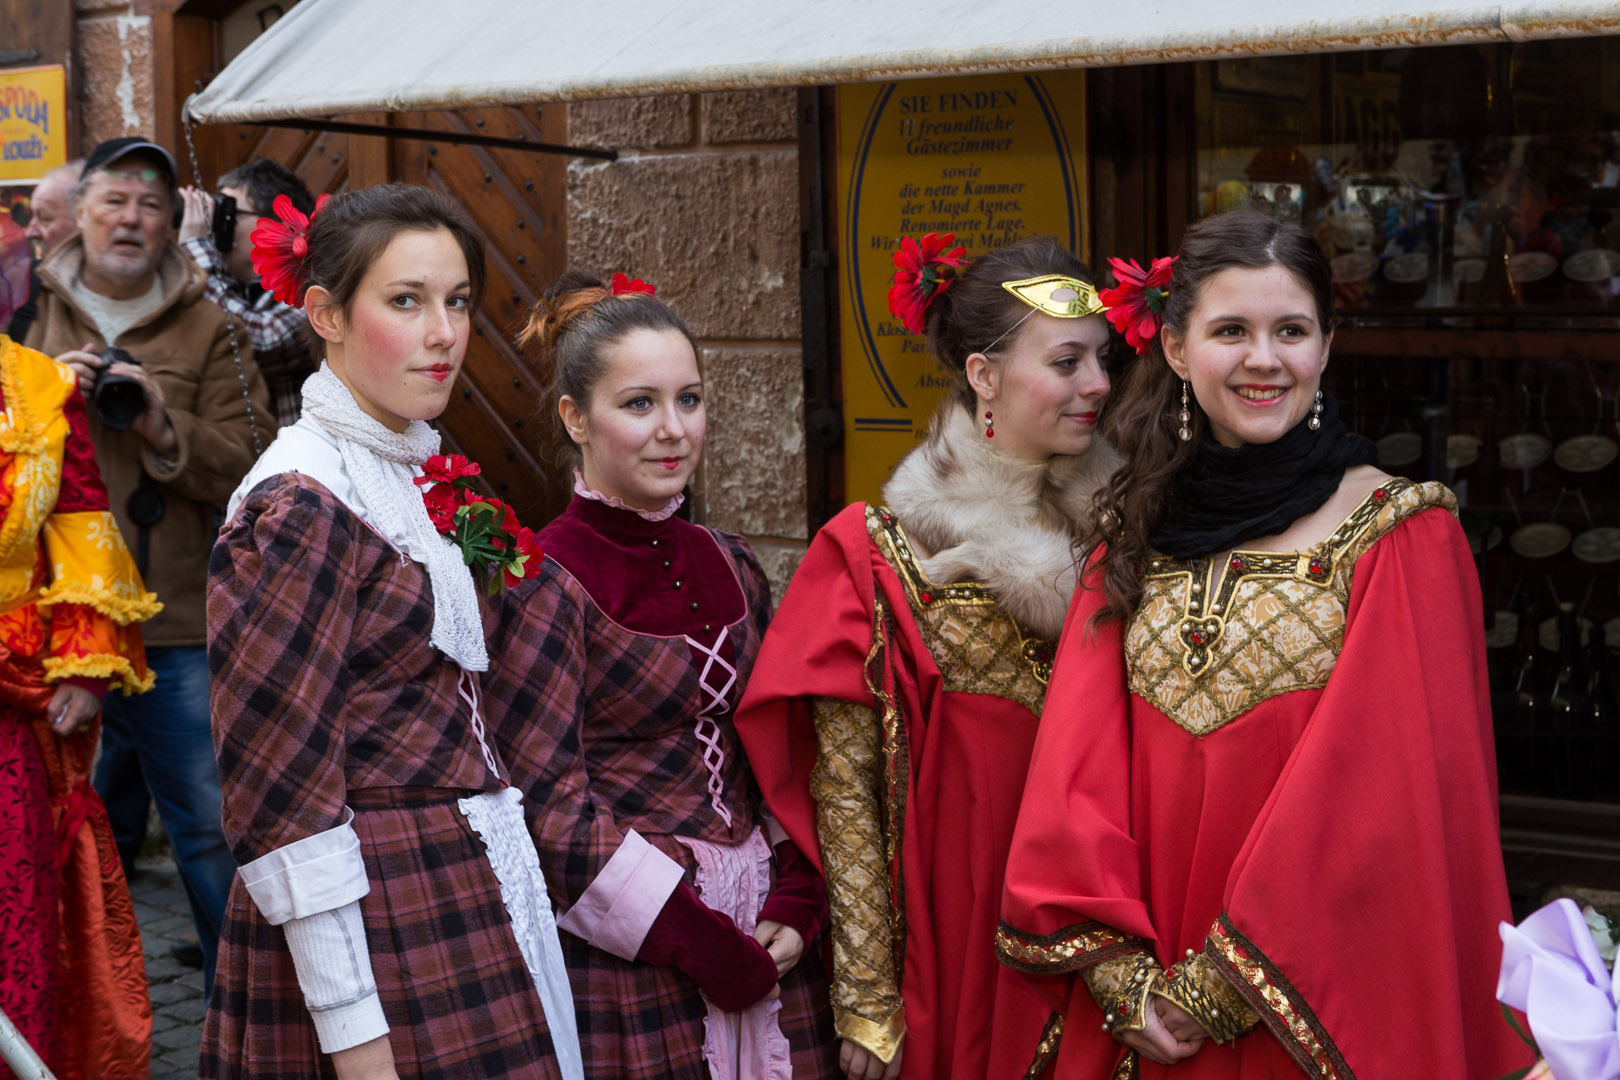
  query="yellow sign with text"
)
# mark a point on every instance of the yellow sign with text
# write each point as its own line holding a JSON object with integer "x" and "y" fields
{"x": 33, "y": 123}
{"x": 992, "y": 159}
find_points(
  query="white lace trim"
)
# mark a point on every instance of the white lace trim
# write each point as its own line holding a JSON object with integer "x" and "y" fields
{"x": 584, "y": 491}
{"x": 382, "y": 465}
{"x": 497, "y": 818}
{"x": 706, "y": 730}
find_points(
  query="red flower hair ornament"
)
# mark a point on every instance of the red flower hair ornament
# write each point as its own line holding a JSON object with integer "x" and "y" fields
{"x": 920, "y": 276}
{"x": 1136, "y": 304}
{"x": 280, "y": 248}
{"x": 623, "y": 283}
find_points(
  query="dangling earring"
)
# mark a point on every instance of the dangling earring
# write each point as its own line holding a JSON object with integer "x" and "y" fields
{"x": 989, "y": 425}
{"x": 1186, "y": 417}
{"x": 1315, "y": 422}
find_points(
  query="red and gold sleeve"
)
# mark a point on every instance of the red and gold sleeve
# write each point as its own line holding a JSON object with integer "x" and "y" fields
{"x": 94, "y": 594}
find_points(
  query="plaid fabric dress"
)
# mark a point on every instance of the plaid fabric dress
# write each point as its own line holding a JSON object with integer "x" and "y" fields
{"x": 327, "y": 693}
{"x": 598, "y": 724}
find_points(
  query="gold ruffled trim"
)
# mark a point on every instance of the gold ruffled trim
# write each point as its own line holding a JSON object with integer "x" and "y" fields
{"x": 116, "y": 669}
{"x": 882, "y": 1039}
{"x": 120, "y": 609}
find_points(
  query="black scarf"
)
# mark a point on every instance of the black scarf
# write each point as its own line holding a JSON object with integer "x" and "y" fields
{"x": 1227, "y": 496}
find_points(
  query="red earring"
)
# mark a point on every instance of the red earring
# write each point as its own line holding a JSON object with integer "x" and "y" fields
{"x": 989, "y": 427}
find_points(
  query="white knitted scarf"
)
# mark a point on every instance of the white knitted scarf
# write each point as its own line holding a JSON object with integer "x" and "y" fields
{"x": 382, "y": 466}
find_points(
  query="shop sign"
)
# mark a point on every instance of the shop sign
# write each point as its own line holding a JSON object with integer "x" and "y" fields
{"x": 33, "y": 123}
{"x": 992, "y": 159}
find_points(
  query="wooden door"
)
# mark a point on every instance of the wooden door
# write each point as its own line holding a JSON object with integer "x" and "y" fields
{"x": 500, "y": 416}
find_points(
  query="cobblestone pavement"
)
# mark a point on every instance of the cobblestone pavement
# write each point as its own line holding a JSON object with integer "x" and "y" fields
{"x": 177, "y": 996}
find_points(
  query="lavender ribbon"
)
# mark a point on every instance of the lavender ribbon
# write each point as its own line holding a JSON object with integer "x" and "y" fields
{"x": 1552, "y": 972}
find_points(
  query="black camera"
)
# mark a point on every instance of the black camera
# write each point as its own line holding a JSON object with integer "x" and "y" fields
{"x": 119, "y": 399}
{"x": 224, "y": 223}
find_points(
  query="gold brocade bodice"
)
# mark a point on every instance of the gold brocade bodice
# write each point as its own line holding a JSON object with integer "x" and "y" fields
{"x": 1204, "y": 654}
{"x": 978, "y": 647}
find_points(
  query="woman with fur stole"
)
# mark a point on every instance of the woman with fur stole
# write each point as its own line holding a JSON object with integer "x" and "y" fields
{"x": 892, "y": 711}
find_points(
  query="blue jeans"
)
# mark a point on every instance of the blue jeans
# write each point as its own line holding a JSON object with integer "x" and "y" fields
{"x": 164, "y": 736}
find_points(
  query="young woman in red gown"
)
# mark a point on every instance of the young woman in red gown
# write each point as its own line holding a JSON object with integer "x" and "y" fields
{"x": 1260, "y": 823}
{"x": 891, "y": 713}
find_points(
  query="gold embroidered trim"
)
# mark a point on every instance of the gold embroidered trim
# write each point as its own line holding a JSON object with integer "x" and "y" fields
{"x": 1269, "y": 993}
{"x": 978, "y": 647}
{"x": 1198, "y": 989}
{"x": 1205, "y": 655}
{"x": 1046, "y": 1049}
{"x": 1069, "y": 949}
{"x": 1121, "y": 988}
{"x": 896, "y": 771}
{"x": 845, "y": 786}
{"x": 1126, "y": 1069}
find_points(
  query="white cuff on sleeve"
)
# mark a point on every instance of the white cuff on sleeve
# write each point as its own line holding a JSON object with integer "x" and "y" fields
{"x": 334, "y": 971}
{"x": 309, "y": 876}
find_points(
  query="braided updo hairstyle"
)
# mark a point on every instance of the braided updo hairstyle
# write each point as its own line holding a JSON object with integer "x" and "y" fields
{"x": 576, "y": 321}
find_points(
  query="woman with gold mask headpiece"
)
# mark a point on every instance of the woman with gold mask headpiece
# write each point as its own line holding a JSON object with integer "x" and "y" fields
{"x": 892, "y": 711}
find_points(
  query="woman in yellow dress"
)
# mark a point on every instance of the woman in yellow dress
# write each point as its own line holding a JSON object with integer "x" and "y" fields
{"x": 71, "y": 973}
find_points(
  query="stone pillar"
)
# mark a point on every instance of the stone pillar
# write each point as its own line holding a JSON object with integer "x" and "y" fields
{"x": 703, "y": 202}
{"x": 114, "y": 57}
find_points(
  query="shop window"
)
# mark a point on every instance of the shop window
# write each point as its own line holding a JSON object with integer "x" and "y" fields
{"x": 1468, "y": 199}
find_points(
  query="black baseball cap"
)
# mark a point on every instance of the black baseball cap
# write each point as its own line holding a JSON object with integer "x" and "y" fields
{"x": 113, "y": 149}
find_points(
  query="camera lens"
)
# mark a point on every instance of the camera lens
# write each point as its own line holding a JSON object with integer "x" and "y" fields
{"x": 119, "y": 399}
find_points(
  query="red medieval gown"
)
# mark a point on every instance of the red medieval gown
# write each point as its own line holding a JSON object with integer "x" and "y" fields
{"x": 1294, "y": 781}
{"x": 72, "y": 977}
{"x": 901, "y": 712}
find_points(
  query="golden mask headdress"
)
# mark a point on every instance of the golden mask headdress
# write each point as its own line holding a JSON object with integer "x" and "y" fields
{"x": 1058, "y": 295}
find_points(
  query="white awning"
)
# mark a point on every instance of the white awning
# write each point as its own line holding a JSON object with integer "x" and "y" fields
{"x": 330, "y": 57}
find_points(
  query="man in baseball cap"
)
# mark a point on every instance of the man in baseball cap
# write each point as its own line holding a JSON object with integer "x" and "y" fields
{"x": 144, "y": 151}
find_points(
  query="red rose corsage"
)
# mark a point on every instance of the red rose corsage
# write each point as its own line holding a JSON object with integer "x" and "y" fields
{"x": 498, "y": 549}
{"x": 280, "y": 247}
{"x": 922, "y": 272}
{"x": 1136, "y": 304}
{"x": 623, "y": 283}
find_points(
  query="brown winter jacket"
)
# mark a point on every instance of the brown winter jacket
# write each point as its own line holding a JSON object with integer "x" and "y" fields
{"x": 186, "y": 346}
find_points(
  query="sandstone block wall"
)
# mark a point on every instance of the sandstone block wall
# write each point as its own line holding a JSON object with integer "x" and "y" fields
{"x": 115, "y": 65}
{"x": 703, "y": 202}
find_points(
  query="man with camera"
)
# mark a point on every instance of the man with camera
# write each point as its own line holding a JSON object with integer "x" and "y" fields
{"x": 216, "y": 232}
{"x": 178, "y": 414}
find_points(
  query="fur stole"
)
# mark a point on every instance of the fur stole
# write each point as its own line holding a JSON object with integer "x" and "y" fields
{"x": 988, "y": 517}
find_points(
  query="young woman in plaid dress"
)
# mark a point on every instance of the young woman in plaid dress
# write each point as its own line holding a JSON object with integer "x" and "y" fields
{"x": 690, "y": 922}
{"x": 389, "y": 919}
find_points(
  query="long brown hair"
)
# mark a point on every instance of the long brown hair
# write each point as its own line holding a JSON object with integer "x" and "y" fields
{"x": 1142, "y": 421}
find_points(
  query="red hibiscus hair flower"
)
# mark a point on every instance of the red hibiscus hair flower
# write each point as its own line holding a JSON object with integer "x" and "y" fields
{"x": 1136, "y": 304}
{"x": 280, "y": 247}
{"x": 920, "y": 275}
{"x": 623, "y": 283}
